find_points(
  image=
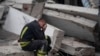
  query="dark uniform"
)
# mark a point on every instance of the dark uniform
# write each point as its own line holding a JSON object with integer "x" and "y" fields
{"x": 32, "y": 38}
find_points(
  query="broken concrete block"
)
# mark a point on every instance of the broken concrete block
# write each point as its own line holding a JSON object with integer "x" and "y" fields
{"x": 75, "y": 26}
{"x": 94, "y": 4}
{"x": 56, "y": 35}
{"x": 37, "y": 10}
{"x": 78, "y": 20}
{"x": 14, "y": 51}
{"x": 89, "y": 13}
{"x": 21, "y": 1}
{"x": 73, "y": 47}
{"x": 50, "y": 1}
{"x": 16, "y": 20}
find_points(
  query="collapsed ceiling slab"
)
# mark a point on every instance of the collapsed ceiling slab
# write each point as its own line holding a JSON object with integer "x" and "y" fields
{"x": 73, "y": 26}
{"x": 89, "y": 13}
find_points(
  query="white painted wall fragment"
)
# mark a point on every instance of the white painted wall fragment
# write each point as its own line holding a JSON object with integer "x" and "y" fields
{"x": 16, "y": 20}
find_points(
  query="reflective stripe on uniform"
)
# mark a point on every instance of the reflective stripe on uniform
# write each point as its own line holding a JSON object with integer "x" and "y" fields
{"x": 41, "y": 53}
{"x": 23, "y": 32}
{"x": 46, "y": 37}
{"x": 23, "y": 44}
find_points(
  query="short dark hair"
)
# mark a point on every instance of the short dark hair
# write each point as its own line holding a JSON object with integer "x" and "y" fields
{"x": 41, "y": 19}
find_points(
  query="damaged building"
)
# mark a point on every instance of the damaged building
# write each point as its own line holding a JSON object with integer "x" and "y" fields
{"x": 70, "y": 25}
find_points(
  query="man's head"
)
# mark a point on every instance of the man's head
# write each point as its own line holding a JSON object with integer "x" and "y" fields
{"x": 42, "y": 24}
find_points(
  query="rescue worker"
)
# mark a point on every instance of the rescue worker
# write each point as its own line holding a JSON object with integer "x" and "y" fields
{"x": 32, "y": 38}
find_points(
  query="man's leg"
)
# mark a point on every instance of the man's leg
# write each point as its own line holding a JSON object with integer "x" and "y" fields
{"x": 42, "y": 51}
{"x": 39, "y": 46}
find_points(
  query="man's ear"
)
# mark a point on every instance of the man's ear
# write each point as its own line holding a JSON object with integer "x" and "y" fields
{"x": 44, "y": 28}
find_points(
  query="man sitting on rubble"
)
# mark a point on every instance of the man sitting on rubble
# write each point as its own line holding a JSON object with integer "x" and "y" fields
{"x": 32, "y": 38}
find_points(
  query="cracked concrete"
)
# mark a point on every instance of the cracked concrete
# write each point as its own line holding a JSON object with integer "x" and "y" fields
{"x": 6, "y": 37}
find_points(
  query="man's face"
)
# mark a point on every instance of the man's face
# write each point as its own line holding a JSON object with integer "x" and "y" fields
{"x": 43, "y": 25}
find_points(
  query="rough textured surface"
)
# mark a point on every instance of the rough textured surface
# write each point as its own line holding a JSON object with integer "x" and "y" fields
{"x": 21, "y": 1}
{"x": 97, "y": 54}
{"x": 14, "y": 51}
{"x": 38, "y": 9}
{"x": 7, "y": 37}
{"x": 75, "y": 10}
{"x": 94, "y": 3}
{"x": 56, "y": 36}
{"x": 70, "y": 25}
{"x": 73, "y": 47}
{"x": 78, "y": 20}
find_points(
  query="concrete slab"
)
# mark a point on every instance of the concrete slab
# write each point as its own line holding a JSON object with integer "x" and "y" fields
{"x": 78, "y": 27}
{"x": 14, "y": 51}
{"x": 73, "y": 47}
{"x": 89, "y": 13}
{"x": 37, "y": 8}
{"x": 94, "y": 4}
{"x": 14, "y": 16}
{"x": 78, "y": 20}
{"x": 56, "y": 35}
{"x": 21, "y": 1}
{"x": 7, "y": 37}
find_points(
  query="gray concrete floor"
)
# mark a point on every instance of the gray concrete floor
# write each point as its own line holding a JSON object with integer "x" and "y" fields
{"x": 6, "y": 37}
